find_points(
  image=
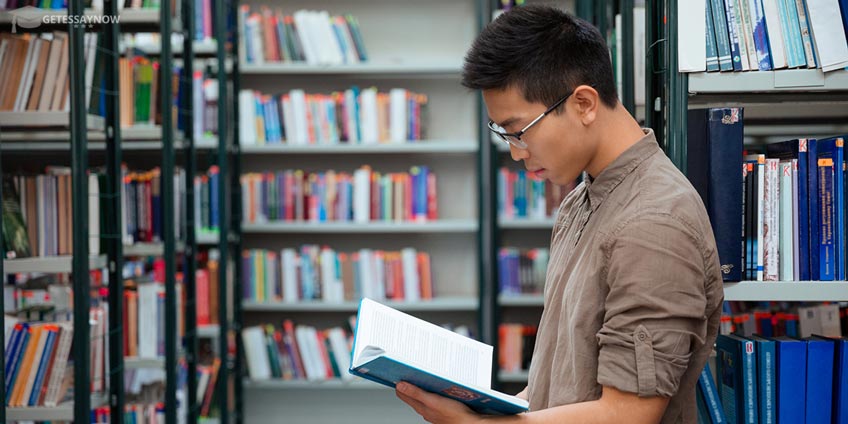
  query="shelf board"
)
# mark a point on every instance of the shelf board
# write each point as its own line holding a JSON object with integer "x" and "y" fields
{"x": 277, "y": 384}
{"x": 199, "y": 47}
{"x": 366, "y": 68}
{"x": 149, "y": 249}
{"x": 34, "y": 121}
{"x": 206, "y": 239}
{"x": 436, "y": 305}
{"x": 128, "y": 16}
{"x": 806, "y": 291}
{"x": 514, "y": 377}
{"x": 62, "y": 412}
{"x": 526, "y": 223}
{"x": 142, "y": 363}
{"x": 49, "y": 265}
{"x": 210, "y": 331}
{"x": 524, "y": 300}
{"x": 765, "y": 88}
{"x": 295, "y": 227}
{"x": 424, "y": 146}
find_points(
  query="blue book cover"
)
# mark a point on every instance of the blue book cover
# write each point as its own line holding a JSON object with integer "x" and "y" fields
{"x": 830, "y": 159}
{"x": 832, "y": 148}
{"x": 797, "y": 149}
{"x": 840, "y": 381}
{"x": 42, "y": 365}
{"x": 16, "y": 365}
{"x": 761, "y": 43}
{"x": 712, "y": 49}
{"x": 12, "y": 347}
{"x": 791, "y": 380}
{"x": 737, "y": 371}
{"x": 715, "y": 145}
{"x": 733, "y": 34}
{"x": 703, "y": 415}
{"x": 766, "y": 379}
{"x": 843, "y": 5}
{"x": 712, "y": 402}
{"x": 725, "y": 58}
{"x": 791, "y": 34}
{"x": 387, "y": 346}
{"x": 520, "y": 194}
{"x": 814, "y": 212}
{"x": 819, "y": 380}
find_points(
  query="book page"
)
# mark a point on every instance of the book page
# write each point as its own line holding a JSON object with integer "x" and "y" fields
{"x": 420, "y": 344}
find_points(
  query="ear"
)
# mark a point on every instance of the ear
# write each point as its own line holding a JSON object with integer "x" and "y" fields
{"x": 586, "y": 101}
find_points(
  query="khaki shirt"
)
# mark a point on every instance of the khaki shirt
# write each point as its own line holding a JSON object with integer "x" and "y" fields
{"x": 633, "y": 290}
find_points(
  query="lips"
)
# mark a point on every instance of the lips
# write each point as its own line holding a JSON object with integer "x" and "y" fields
{"x": 538, "y": 172}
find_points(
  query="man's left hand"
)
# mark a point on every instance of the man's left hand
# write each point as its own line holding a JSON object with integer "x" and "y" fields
{"x": 436, "y": 409}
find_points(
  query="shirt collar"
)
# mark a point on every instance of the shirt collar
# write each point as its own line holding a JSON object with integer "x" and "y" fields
{"x": 599, "y": 188}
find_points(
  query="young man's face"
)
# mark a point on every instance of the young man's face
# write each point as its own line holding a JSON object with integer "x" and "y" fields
{"x": 558, "y": 146}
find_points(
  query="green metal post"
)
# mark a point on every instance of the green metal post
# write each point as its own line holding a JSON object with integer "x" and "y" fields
{"x": 678, "y": 88}
{"x": 114, "y": 243}
{"x": 219, "y": 13}
{"x": 628, "y": 95}
{"x": 585, "y": 10}
{"x": 235, "y": 185}
{"x": 187, "y": 116}
{"x": 79, "y": 183}
{"x": 166, "y": 83}
{"x": 602, "y": 17}
{"x": 655, "y": 47}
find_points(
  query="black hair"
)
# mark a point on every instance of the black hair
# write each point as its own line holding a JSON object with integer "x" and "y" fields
{"x": 544, "y": 52}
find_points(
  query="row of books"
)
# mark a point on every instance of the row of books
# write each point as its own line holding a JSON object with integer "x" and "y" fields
{"x": 34, "y": 69}
{"x": 207, "y": 378}
{"x": 787, "y": 200}
{"x": 141, "y": 205}
{"x": 308, "y": 36}
{"x": 743, "y": 35}
{"x": 144, "y": 319}
{"x": 38, "y": 213}
{"x": 522, "y": 271}
{"x": 354, "y": 116}
{"x": 63, "y": 4}
{"x": 207, "y": 286}
{"x": 314, "y": 272}
{"x": 515, "y": 346}
{"x": 780, "y": 379}
{"x": 365, "y": 195}
{"x": 133, "y": 414}
{"x": 523, "y": 195}
{"x": 828, "y": 320}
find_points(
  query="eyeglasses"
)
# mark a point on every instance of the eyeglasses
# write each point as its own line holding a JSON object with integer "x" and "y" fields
{"x": 514, "y": 139}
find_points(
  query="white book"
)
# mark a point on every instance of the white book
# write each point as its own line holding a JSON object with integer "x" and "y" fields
{"x": 366, "y": 273}
{"x": 619, "y": 61}
{"x": 289, "y": 271}
{"x": 258, "y": 362}
{"x": 60, "y": 363}
{"x": 93, "y": 214}
{"x": 639, "y": 53}
{"x": 258, "y": 41}
{"x": 390, "y": 346}
{"x": 198, "y": 105}
{"x": 27, "y": 74}
{"x": 308, "y": 353}
{"x": 368, "y": 116}
{"x": 341, "y": 352}
{"x": 90, "y": 65}
{"x": 247, "y": 118}
{"x": 331, "y": 286}
{"x": 289, "y": 121}
{"x": 796, "y": 245}
{"x": 771, "y": 228}
{"x": 362, "y": 195}
{"x": 399, "y": 116}
{"x": 826, "y": 22}
{"x": 787, "y": 260}
{"x": 201, "y": 386}
{"x": 692, "y": 42}
{"x": 411, "y": 283}
{"x": 304, "y": 32}
{"x": 331, "y": 50}
{"x": 775, "y": 35}
{"x": 148, "y": 328}
{"x": 379, "y": 275}
{"x": 300, "y": 132}
{"x": 744, "y": 11}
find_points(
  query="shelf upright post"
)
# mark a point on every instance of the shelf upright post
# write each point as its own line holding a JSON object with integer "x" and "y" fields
{"x": 677, "y": 84}
{"x": 656, "y": 33}
{"x": 220, "y": 28}
{"x": 168, "y": 230}
{"x": 628, "y": 95}
{"x": 186, "y": 114}
{"x": 585, "y": 10}
{"x": 79, "y": 183}
{"x": 2, "y": 300}
{"x": 112, "y": 239}
{"x": 236, "y": 195}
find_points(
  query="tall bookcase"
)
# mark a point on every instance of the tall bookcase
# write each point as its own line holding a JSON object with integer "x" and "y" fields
{"x": 39, "y": 137}
{"x": 771, "y": 100}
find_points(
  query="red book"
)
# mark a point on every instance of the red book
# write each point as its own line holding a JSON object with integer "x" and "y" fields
{"x": 408, "y": 195}
{"x": 432, "y": 205}
{"x": 202, "y": 287}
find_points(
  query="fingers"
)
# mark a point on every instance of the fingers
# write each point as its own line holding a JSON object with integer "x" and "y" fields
{"x": 419, "y": 407}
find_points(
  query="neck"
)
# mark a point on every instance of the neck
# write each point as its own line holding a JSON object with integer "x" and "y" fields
{"x": 616, "y": 132}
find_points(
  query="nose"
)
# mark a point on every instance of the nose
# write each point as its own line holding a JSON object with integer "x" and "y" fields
{"x": 518, "y": 154}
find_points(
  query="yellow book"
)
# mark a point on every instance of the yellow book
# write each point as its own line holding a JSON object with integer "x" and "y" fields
{"x": 26, "y": 367}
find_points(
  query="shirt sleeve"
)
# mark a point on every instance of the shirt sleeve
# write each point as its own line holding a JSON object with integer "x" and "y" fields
{"x": 655, "y": 308}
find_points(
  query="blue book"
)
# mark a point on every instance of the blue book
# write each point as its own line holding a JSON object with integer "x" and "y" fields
{"x": 832, "y": 148}
{"x": 703, "y": 415}
{"x": 813, "y": 216}
{"x": 520, "y": 194}
{"x": 389, "y": 346}
{"x": 51, "y": 334}
{"x": 712, "y": 402}
{"x": 797, "y": 149}
{"x": 737, "y": 374}
{"x": 791, "y": 33}
{"x": 725, "y": 58}
{"x": 829, "y": 161}
{"x": 766, "y": 379}
{"x": 715, "y": 144}
{"x": 840, "y": 380}
{"x": 820, "y": 379}
{"x": 761, "y": 43}
{"x": 712, "y": 50}
{"x": 12, "y": 348}
{"x": 16, "y": 367}
{"x": 733, "y": 34}
{"x": 791, "y": 380}
{"x": 843, "y": 4}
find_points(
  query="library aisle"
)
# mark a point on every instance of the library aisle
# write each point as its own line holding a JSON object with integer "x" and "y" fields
{"x": 198, "y": 194}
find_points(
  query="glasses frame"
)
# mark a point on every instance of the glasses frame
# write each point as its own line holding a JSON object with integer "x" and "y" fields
{"x": 514, "y": 139}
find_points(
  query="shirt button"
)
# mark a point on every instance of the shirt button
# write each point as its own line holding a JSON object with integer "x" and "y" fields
{"x": 642, "y": 336}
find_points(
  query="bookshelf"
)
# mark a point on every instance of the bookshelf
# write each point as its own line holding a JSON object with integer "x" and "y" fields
{"x": 61, "y": 412}
{"x": 50, "y": 264}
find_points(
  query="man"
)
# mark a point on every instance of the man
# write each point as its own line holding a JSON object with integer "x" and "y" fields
{"x": 633, "y": 287}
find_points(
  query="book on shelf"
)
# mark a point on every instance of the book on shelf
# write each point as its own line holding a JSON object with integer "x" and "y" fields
{"x": 779, "y": 319}
{"x": 515, "y": 344}
{"x": 309, "y": 36}
{"x": 207, "y": 378}
{"x": 761, "y": 35}
{"x": 142, "y": 214}
{"x": 710, "y": 409}
{"x": 353, "y": 116}
{"x": 390, "y": 346}
{"x": 523, "y": 195}
{"x": 522, "y": 271}
{"x": 315, "y": 272}
{"x": 35, "y": 70}
{"x": 366, "y": 195}
{"x": 736, "y": 367}
{"x": 144, "y": 318}
{"x": 207, "y": 287}
{"x": 140, "y": 92}
{"x": 206, "y": 207}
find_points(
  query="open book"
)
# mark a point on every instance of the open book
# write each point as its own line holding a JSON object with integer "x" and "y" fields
{"x": 390, "y": 346}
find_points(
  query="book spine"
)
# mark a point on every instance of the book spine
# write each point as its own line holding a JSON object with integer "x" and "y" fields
{"x": 725, "y": 57}
{"x": 825, "y": 194}
{"x": 733, "y": 34}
